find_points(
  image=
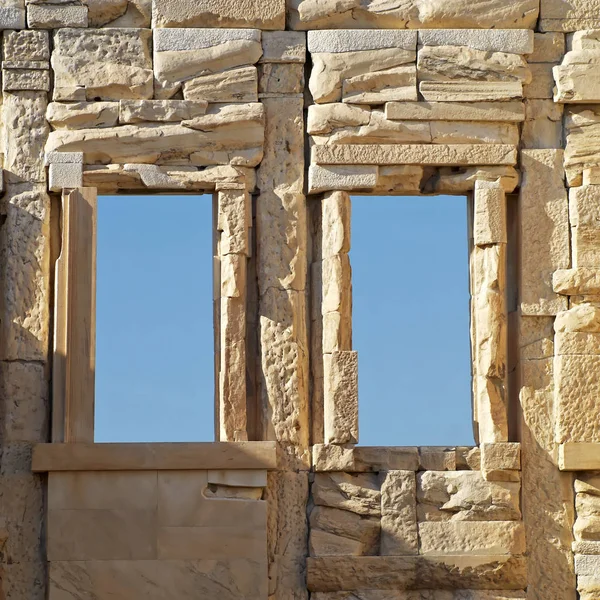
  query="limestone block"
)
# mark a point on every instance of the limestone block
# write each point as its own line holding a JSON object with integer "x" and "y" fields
{"x": 466, "y": 91}
{"x": 341, "y": 397}
{"x": 398, "y": 514}
{"x": 542, "y": 82}
{"x": 332, "y": 458}
{"x": 364, "y": 531}
{"x": 27, "y": 579}
{"x": 315, "y": 14}
{"x": 548, "y": 48}
{"x": 582, "y": 317}
{"x": 235, "y": 478}
{"x": 353, "y": 40}
{"x": 224, "y": 128}
{"x": 12, "y": 18}
{"x": 235, "y": 85}
{"x": 582, "y": 135}
{"x": 576, "y": 78}
{"x": 218, "y": 13}
{"x": 330, "y": 69}
{"x": 82, "y": 115}
{"x": 588, "y": 39}
{"x": 577, "y": 395}
{"x": 102, "y": 64}
{"x": 138, "y": 111}
{"x": 25, "y": 79}
{"x": 182, "y": 578}
{"x": 336, "y": 209}
{"x": 468, "y": 459}
{"x": 512, "y": 41}
{"x": 453, "y": 111}
{"x": 577, "y": 342}
{"x": 489, "y": 223}
{"x": 339, "y": 177}
{"x": 572, "y": 282}
{"x": 587, "y": 565}
{"x": 65, "y": 175}
{"x": 26, "y": 45}
{"x": 283, "y": 47}
{"x": 558, "y": 15}
{"x": 466, "y": 496}
{"x": 281, "y": 78}
{"x": 24, "y": 387}
{"x": 586, "y": 547}
{"x": 587, "y": 524}
{"x": 25, "y": 248}
{"x": 234, "y": 221}
{"x": 359, "y": 494}
{"x": 398, "y": 83}
{"x": 501, "y": 462}
{"x": 49, "y": 16}
{"x": 463, "y": 64}
{"x": 455, "y": 180}
{"x": 323, "y": 543}
{"x": 119, "y": 13}
{"x": 399, "y": 179}
{"x": 500, "y": 537}
{"x": 414, "y": 154}
{"x": 435, "y": 458}
{"x": 545, "y": 242}
{"x": 584, "y": 203}
{"x": 543, "y": 125}
{"x": 334, "y": 573}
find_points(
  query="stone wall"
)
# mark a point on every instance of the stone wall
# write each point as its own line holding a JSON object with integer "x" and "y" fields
{"x": 283, "y": 110}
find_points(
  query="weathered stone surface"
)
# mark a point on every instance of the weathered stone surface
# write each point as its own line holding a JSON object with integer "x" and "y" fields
{"x": 82, "y": 115}
{"x": 481, "y": 538}
{"x": 342, "y": 529}
{"x": 330, "y": 70}
{"x": 119, "y": 13}
{"x": 545, "y": 242}
{"x": 497, "y": 459}
{"x": 281, "y": 78}
{"x": 456, "y": 180}
{"x": 548, "y": 48}
{"x": 411, "y": 572}
{"x": 49, "y": 16}
{"x": 435, "y": 458}
{"x": 283, "y": 47}
{"x": 465, "y": 91}
{"x": 465, "y": 496}
{"x": 341, "y": 397}
{"x": 340, "y": 177}
{"x": 64, "y": 175}
{"x": 364, "y": 459}
{"x": 25, "y": 79}
{"x": 576, "y": 77}
{"x": 489, "y": 220}
{"x": 229, "y": 127}
{"x": 312, "y": 14}
{"x": 325, "y": 118}
{"x": 12, "y": 18}
{"x": 584, "y": 203}
{"x": 399, "y": 83}
{"x": 26, "y": 45}
{"x": 25, "y": 249}
{"x": 542, "y": 82}
{"x": 359, "y": 494}
{"x": 558, "y": 15}
{"x": 218, "y": 13}
{"x": 375, "y": 594}
{"x": 513, "y": 41}
{"x": 443, "y": 111}
{"x": 138, "y": 111}
{"x": 235, "y": 85}
{"x": 543, "y": 125}
{"x": 572, "y": 282}
{"x": 102, "y": 64}
{"x": 398, "y": 514}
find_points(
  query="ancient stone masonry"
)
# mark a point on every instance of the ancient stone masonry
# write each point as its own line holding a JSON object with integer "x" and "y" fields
{"x": 283, "y": 110}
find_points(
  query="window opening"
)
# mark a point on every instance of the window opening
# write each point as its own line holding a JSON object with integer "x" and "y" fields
{"x": 154, "y": 319}
{"x": 411, "y": 315}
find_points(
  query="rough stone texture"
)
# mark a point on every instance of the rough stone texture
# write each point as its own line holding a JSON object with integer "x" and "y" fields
{"x": 398, "y": 514}
{"x": 48, "y": 16}
{"x": 82, "y": 115}
{"x": 543, "y": 125}
{"x": 585, "y": 231}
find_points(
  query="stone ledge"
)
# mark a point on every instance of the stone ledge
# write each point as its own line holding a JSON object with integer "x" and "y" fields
{"x": 164, "y": 456}
{"x": 579, "y": 456}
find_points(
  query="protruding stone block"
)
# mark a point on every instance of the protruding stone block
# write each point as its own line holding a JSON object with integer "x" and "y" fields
{"x": 65, "y": 175}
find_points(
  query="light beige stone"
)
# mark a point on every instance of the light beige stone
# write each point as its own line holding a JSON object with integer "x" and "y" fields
{"x": 283, "y": 47}
{"x": 489, "y": 221}
{"x": 471, "y": 539}
{"x": 359, "y": 494}
{"x": 335, "y": 224}
{"x": 435, "y": 458}
{"x": 313, "y": 14}
{"x": 25, "y": 79}
{"x": 82, "y": 115}
{"x": 138, "y": 111}
{"x": 545, "y": 243}
{"x": 493, "y": 40}
{"x": 281, "y": 78}
{"x": 585, "y": 231}
{"x": 501, "y": 462}
{"x": 557, "y": 15}
{"x": 26, "y": 45}
{"x": 330, "y": 70}
{"x": 235, "y": 85}
{"x": 119, "y": 13}
{"x": 49, "y": 16}
{"x": 219, "y": 13}
{"x": 548, "y": 48}
{"x": 398, "y": 514}
{"x": 542, "y": 128}
{"x": 571, "y": 282}
{"x": 339, "y": 177}
{"x": 466, "y": 91}
{"x": 323, "y": 119}
{"x": 328, "y": 458}
{"x": 102, "y": 64}
{"x": 398, "y": 83}
{"x": 542, "y": 82}
{"x": 323, "y": 543}
{"x": 457, "y": 180}
{"x": 582, "y": 132}
{"x": 234, "y": 478}
{"x": 455, "y": 111}
{"x": 399, "y": 179}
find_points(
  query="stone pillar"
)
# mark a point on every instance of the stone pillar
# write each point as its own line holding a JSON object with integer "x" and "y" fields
{"x": 281, "y": 230}
{"x": 24, "y": 330}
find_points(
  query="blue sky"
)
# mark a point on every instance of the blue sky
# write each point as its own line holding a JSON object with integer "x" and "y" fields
{"x": 154, "y": 364}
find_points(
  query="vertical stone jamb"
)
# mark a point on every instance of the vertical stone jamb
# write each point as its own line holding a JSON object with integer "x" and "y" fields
{"x": 25, "y": 323}
{"x": 233, "y": 224}
{"x": 489, "y": 311}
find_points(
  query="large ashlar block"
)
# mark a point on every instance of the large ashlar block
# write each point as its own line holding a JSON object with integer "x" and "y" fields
{"x": 269, "y": 14}
{"x": 472, "y": 538}
{"x": 542, "y": 82}
{"x": 83, "y": 115}
{"x": 501, "y": 462}
{"x": 26, "y": 45}
{"x": 398, "y": 83}
{"x": 315, "y": 14}
{"x": 337, "y": 41}
{"x": 283, "y": 47}
{"x": 489, "y": 225}
{"x": 543, "y": 125}
{"x": 225, "y": 131}
{"x": 164, "y": 111}
{"x": 55, "y": 16}
{"x": 332, "y": 69}
{"x": 415, "y": 154}
{"x": 336, "y": 573}
{"x": 573, "y": 282}
{"x": 574, "y": 15}
{"x": 455, "y": 111}
{"x": 545, "y": 242}
{"x": 235, "y": 85}
{"x": 581, "y": 317}
{"x": 332, "y": 458}
{"x": 512, "y": 41}
{"x": 468, "y": 91}
{"x": 234, "y": 220}
{"x": 398, "y": 514}
{"x": 336, "y": 210}
{"x": 278, "y": 79}
{"x": 102, "y": 64}
{"x": 12, "y": 17}
{"x": 577, "y": 77}
{"x": 327, "y": 178}
{"x": 359, "y": 494}
{"x": 584, "y": 203}
{"x": 466, "y": 496}
{"x": 341, "y": 397}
